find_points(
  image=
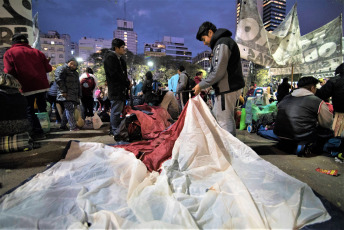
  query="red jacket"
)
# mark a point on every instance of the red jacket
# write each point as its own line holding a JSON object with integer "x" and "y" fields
{"x": 28, "y": 65}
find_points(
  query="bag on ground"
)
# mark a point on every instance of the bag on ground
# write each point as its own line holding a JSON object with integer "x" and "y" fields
{"x": 97, "y": 122}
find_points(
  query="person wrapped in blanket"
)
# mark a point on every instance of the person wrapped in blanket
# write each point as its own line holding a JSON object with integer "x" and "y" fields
{"x": 304, "y": 117}
{"x": 14, "y": 125}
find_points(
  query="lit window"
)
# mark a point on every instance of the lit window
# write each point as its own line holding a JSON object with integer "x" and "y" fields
{"x": 52, "y": 42}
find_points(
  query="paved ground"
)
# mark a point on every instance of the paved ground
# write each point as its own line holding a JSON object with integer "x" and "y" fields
{"x": 16, "y": 167}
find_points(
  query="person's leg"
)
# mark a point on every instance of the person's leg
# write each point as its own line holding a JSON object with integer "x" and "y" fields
{"x": 31, "y": 116}
{"x": 41, "y": 102}
{"x": 225, "y": 118}
{"x": 69, "y": 112}
{"x": 89, "y": 106}
{"x": 84, "y": 107}
{"x": 115, "y": 116}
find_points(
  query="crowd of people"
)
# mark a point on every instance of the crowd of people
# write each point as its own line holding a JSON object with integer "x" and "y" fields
{"x": 304, "y": 114}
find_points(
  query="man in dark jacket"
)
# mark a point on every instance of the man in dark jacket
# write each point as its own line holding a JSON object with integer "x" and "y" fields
{"x": 334, "y": 88}
{"x": 225, "y": 74}
{"x": 30, "y": 67}
{"x": 118, "y": 83}
{"x": 302, "y": 116}
{"x": 68, "y": 92}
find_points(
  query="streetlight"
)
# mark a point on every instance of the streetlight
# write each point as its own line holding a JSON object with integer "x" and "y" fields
{"x": 150, "y": 64}
{"x": 79, "y": 59}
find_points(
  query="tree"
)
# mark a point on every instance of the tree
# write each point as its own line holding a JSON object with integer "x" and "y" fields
{"x": 262, "y": 77}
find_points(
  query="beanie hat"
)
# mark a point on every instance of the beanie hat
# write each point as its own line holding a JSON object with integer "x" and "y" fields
{"x": 19, "y": 38}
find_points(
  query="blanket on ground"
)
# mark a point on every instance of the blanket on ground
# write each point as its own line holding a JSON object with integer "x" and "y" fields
{"x": 212, "y": 180}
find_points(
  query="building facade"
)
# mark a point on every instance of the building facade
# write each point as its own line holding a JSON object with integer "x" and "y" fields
{"x": 202, "y": 59}
{"x": 125, "y": 31}
{"x": 175, "y": 47}
{"x": 156, "y": 49}
{"x": 274, "y": 12}
{"x": 54, "y": 45}
{"x": 88, "y": 46}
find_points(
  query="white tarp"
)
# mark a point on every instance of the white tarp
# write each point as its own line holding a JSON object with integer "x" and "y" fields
{"x": 212, "y": 181}
{"x": 319, "y": 51}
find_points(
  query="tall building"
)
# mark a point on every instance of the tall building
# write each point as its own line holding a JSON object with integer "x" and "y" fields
{"x": 68, "y": 46}
{"x": 54, "y": 46}
{"x": 74, "y": 49}
{"x": 175, "y": 47}
{"x": 88, "y": 46}
{"x": 202, "y": 59}
{"x": 125, "y": 31}
{"x": 274, "y": 12}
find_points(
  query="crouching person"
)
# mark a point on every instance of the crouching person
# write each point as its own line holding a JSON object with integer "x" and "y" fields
{"x": 304, "y": 119}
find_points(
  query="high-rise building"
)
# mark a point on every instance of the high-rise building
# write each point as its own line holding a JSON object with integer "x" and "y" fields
{"x": 54, "y": 46}
{"x": 74, "y": 49}
{"x": 125, "y": 31}
{"x": 202, "y": 59}
{"x": 88, "y": 46}
{"x": 274, "y": 12}
{"x": 68, "y": 46}
{"x": 175, "y": 47}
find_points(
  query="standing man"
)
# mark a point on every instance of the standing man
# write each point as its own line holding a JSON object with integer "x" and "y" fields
{"x": 118, "y": 83}
{"x": 181, "y": 86}
{"x": 225, "y": 74}
{"x": 30, "y": 67}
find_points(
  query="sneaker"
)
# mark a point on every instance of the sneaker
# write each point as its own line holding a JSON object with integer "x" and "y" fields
{"x": 75, "y": 129}
{"x": 38, "y": 136}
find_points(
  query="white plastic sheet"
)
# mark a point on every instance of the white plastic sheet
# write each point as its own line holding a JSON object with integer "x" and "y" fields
{"x": 212, "y": 181}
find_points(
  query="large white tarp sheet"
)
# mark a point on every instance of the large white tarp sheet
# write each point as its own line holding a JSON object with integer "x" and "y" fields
{"x": 211, "y": 181}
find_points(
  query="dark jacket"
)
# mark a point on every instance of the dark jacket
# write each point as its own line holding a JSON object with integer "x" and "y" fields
{"x": 116, "y": 76}
{"x": 68, "y": 82}
{"x": 333, "y": 88}
{"x": 147, "y": 90}
{"x": 226, "y": 74}
{"x": 13, "y": 112}
{"x": 282, "y": 91}
{"x": 29, "y": 66}
{"x": 297, "y": 117}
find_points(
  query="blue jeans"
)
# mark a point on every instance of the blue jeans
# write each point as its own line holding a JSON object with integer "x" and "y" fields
{"x": 115, "y": 115}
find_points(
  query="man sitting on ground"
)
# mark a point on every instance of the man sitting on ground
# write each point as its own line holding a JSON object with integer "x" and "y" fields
{"x": 303, "y": 117}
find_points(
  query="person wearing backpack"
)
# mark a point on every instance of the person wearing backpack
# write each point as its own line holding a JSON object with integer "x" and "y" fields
{"x": 184, "y": 83}
{"x": 88, "y": 83}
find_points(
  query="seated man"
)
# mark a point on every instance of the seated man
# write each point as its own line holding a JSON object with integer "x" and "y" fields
{"x": 303, "y": 117}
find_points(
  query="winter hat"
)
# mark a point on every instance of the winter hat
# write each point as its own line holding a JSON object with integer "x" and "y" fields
{"x": 19, "y": 38}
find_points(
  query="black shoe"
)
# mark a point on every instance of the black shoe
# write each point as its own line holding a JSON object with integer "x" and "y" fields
{"x": 64, "y": 128}
{"x": 38, "y": 136}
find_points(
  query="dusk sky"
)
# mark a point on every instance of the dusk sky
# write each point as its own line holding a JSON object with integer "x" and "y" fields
{"x": 154, "y": 19}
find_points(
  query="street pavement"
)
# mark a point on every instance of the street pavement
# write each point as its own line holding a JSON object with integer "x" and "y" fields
{"x": 18, "y": 166}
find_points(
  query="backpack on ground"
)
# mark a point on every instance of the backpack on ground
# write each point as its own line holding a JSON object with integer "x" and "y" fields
{"x": 87, "y": 86}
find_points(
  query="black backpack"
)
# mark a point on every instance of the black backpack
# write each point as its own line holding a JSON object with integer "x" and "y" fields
{"x": 190, "y": 83}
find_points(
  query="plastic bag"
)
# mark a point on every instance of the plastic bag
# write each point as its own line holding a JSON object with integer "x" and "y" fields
{"x": 77, "y": 116}
{"x": 97, "y": 122}
{"x": 88, "y": 123}
{"x": 44, "y": 120}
